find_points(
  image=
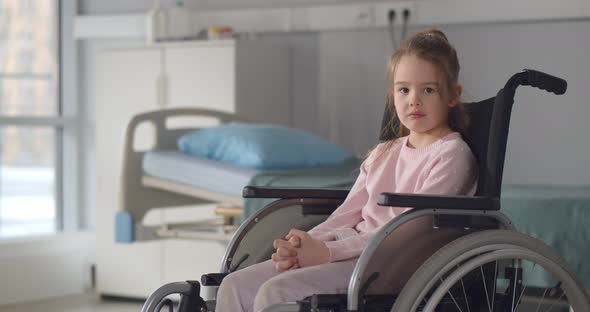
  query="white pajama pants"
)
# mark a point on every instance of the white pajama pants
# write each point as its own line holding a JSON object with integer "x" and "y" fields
{"x": 260, "y": 285}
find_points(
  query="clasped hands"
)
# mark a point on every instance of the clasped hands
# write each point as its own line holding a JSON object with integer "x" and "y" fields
{"x": 299, "y": 250}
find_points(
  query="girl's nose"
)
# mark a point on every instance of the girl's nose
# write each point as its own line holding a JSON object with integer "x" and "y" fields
{"x": 414, "y": 100}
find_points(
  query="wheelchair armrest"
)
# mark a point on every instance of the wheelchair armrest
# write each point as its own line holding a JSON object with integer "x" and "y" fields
{"x": 212, "y": 279}
{"x": 438, "y": 201}
{"x": 293, "y": 192}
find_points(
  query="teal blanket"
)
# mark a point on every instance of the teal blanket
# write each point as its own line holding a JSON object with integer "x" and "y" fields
{"x": 558, "y": 216}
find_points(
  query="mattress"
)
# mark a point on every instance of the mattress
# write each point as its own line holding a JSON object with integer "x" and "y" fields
{"x": 201, "y": 173}
{"x": 220, "y": 177}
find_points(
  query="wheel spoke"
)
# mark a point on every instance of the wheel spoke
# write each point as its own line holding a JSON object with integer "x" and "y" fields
{"x": 495, "y": 281}
{"x": 524, "y": 288}
{"x": 485, "y": 287}
{"x": 551, "y": 306}
{"x": 453, "y": 298}
{"x": 465, "y": 295}
{"x": 514, "y": 289}
{"x": 541, "y": 301}
{"x": 455, "y": 301}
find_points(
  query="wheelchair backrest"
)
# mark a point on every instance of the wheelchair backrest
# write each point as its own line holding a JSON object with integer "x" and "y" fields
{"x": 488, "y": 152}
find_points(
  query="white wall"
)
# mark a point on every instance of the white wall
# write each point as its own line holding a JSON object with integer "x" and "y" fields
{"x": 132, "y": 6}
{"x": 548, "y": 142}
{"x": 38, "y": 268}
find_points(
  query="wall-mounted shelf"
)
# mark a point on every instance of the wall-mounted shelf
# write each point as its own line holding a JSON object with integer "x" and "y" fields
{"x": 349, "y": 16}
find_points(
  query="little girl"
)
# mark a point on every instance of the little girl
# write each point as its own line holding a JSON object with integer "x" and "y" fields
{"x": 428, "y": 157}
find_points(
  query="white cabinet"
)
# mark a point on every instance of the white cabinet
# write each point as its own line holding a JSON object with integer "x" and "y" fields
{"x": 210, "y": 69}
{"x": 232, "y": 76}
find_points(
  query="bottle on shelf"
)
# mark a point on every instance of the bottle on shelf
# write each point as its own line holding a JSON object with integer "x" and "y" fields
{"x": 157, "y": 23}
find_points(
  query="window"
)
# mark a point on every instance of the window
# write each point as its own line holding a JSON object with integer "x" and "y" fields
{"x": 31, "y": 125}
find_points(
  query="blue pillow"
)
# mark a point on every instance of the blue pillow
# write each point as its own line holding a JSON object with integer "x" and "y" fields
{"x": 261, "y": 146}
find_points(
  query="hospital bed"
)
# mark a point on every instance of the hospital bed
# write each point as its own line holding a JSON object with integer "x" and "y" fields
{"x": 162, "y": 176}
{"x": 459, "y": 237}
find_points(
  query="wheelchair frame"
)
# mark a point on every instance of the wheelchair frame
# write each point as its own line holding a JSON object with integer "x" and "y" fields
{"x": 487, "y": 207}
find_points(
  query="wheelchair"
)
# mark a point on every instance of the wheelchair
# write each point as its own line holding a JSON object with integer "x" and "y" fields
{"x": 460, "y": 254}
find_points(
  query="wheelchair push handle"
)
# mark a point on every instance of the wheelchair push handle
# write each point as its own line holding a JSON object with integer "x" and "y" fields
{"x": 544, "y": 81}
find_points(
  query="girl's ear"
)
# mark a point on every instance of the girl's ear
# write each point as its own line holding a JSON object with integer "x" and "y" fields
{"x": 454, "y": 99}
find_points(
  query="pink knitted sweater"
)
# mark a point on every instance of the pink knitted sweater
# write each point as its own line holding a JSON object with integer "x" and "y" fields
{"x": 445, "y": 166}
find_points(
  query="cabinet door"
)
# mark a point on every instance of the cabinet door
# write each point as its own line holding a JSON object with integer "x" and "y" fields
{"x": 126, "y": 84}
{"x": 201, "y": 76}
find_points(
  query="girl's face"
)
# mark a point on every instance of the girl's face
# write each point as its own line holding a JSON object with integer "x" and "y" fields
{"x": 420, "y": 101}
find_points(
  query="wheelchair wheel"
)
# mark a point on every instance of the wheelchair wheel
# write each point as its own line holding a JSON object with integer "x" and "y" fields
{"x": 496, "y": 270}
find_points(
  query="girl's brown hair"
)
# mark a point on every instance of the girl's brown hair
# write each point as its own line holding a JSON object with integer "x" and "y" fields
{"x": 432, "y": 46}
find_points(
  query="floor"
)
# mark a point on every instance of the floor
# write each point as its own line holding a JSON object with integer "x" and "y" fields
{"x": 77, "y": 303}
{"x": 93, "y": 303}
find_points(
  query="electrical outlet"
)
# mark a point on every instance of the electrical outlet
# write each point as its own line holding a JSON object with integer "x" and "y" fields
{"x": 382, "y": 11}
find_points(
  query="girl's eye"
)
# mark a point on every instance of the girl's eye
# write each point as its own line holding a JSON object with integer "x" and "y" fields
{"x": 404, "y": 90}
{"x": 429, "y": 90}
